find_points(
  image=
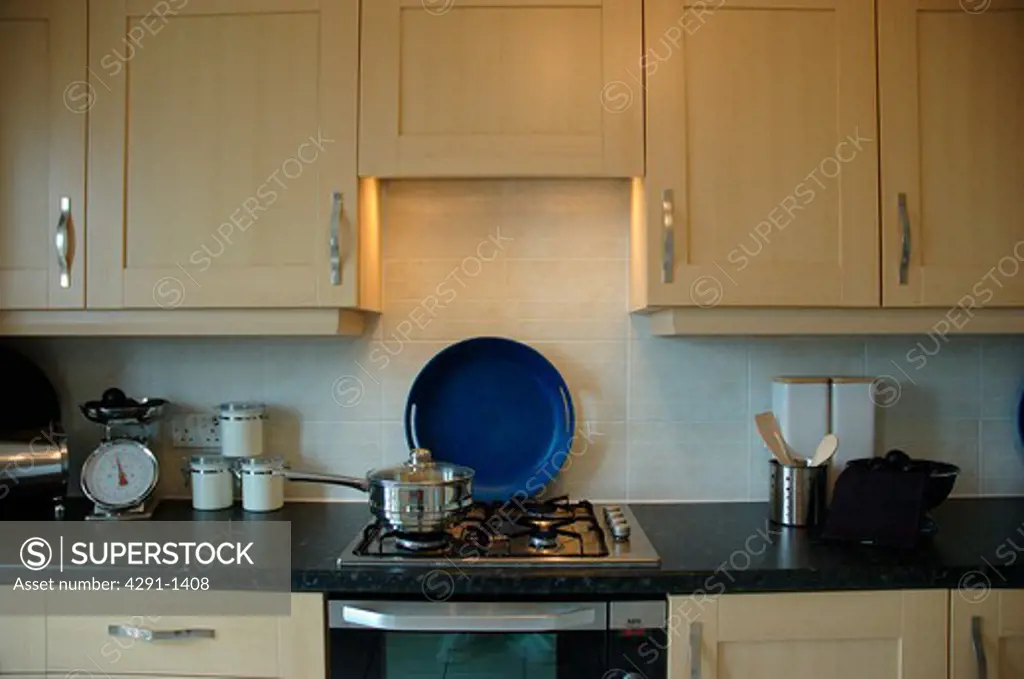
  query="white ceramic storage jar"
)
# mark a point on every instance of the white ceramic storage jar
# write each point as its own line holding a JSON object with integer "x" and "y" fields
{"x": 262, "y": 483}
{"x": 241, "y": 429}
{"x": 212, "y": 482}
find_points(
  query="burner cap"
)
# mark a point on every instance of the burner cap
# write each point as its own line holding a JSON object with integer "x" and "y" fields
{"x": 544, "y": 539}
{"x": 420, "y": 542}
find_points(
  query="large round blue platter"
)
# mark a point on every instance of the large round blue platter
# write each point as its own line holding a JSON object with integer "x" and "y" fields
{"x": 497, "y": 406}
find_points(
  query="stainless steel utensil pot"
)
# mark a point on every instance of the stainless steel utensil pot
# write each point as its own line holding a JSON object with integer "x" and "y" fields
{"x": 33, "y": 468}
{"x": 420, "y": 496}
{"x": 798, "y": 494}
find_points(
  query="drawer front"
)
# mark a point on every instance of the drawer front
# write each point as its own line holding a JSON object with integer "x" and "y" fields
{"x": 22, "y": 637}
{"x": 241, "y": 646}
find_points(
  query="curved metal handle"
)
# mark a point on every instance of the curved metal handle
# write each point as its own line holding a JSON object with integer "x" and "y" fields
{"x": 696, "y": 632}
{"x": 412, "y": 622}
{"x": 62, "y": 241}
{"x": 146, "y": 634}
{"x": 314, "y": 477}
{"x": 979, "y": 647}
{"x": 668, "y": 237}
{"x": 901, "y": 201}
{"x": 335, "y": 238}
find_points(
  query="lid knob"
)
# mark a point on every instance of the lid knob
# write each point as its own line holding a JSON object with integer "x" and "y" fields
{"x": 420, "y": 457}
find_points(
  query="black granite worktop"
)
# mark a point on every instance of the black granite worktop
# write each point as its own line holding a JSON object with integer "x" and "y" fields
{"x": 719, "y": 547}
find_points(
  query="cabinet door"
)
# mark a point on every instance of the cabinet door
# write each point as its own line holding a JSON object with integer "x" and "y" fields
{"x": 952, "y": 123}
{"x": 221, "y": 131}
{"x": 22, "y": 637}
{"x": 43, "y": 104}
{"x": 989, "y": 634}
{"x": 762, "y": 155}
{"x": 833, "y": 635}
{"x": 501, "y": 88}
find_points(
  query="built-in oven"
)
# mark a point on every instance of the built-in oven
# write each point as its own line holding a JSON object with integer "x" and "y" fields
{"x": 500, "y": 640}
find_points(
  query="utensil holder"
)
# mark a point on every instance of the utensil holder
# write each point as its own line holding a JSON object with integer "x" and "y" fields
{"x": 798, "y": 495}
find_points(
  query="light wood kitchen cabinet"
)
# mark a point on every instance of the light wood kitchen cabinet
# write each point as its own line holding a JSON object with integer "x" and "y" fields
{"x": 762, "y": 156}
{"x": 257, "y": 646}
{"x": 22, "y": 637}
{"x": 222, "y": 162}
{"x": 828, "y": 635}
{"x": 43, "y": 103}
{"x": 987, "y": 633}
{"x": 952, "y": 124}
{"x": 501, "y": 88}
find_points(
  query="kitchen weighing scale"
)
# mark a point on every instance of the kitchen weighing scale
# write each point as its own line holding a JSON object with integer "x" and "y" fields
{"x": 121, "y": 474}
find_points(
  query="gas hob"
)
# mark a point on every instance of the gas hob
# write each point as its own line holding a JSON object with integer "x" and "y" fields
{"x": 551, "y": 533}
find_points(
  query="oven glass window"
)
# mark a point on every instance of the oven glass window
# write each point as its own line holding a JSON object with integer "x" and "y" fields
{"x": 471, "y": 656}
{"x": 371, "y": 654}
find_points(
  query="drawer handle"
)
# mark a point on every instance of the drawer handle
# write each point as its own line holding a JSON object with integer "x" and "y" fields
{"x": 979, "y": 647}
{"x": 145, "y": 634}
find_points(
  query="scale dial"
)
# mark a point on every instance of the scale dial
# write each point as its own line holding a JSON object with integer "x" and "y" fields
{"x": 120, "y": 474}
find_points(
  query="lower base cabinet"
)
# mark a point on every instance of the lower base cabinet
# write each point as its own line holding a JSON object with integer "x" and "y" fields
{"x": 827, "y": 635}
{"x": 987, "y": 634}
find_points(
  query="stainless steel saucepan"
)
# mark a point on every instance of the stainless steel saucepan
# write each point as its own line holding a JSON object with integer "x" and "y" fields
{"x": 420, "y": 496}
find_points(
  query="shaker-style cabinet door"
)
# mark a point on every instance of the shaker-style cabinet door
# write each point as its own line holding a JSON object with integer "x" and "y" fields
{"x": 762, "y": 155}
{"x": 952, "y": 123}
{"x": 22, "y": 636}
{"x": 44, "y": 101}
{"x": 826, "y": 635}
{"x": 222, "y": 168}
{"x": 545, "y": 88}
{"x": 987, "y": 635}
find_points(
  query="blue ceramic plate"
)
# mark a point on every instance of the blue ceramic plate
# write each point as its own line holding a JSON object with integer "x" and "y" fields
{"x": 497, "y": 406}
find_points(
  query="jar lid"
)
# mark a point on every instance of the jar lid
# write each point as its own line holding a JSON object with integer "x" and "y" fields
{"x": 260, "y": 464}
{"x": 208, "y": 462}
{"x": 240, "y": 409}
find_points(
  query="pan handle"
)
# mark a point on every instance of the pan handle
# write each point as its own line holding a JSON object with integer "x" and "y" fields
{"x": 314, "y": 477}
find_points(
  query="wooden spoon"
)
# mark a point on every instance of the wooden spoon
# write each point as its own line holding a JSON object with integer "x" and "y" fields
{"x": 826, "y": 449}
{"x": 768, "y": 428}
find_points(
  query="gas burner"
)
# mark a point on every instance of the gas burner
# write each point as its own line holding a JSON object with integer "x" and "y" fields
{"x": 544, "y": 539}
{"x": 425, "y": 542}
{"x": 551, "y": 510}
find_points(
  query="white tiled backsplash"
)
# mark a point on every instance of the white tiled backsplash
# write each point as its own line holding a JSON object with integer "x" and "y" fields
{"x": 545, "y": 263}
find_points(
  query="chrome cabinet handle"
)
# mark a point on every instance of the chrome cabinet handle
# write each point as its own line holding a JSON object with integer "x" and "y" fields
{"x": 145, "y": 634}
{"x": 668, "y": 239}
{"x": 901, "y": 201}
{"x": 696, "y": 631}
{"x": 61, "y": 241}
{"x": 979, "y": 647}
{"x": 335, "y": 240}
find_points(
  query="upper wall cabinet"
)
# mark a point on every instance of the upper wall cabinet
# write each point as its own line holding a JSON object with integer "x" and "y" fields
{"x": 43, "y": 100}
{"x": 952, "y": 111}
{"x": 464, "y": 88}
{"x": 222, "y": 164}
{"x": 762, "y": 155}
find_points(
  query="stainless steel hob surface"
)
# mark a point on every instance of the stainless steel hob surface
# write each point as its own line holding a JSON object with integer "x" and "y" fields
{"x": 554, "y": 533}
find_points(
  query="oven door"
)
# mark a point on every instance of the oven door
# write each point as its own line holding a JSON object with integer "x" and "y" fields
{"x": 429, "y": 640}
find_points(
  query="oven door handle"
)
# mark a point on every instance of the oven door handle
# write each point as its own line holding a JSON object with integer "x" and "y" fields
{"x": 407, "y": 621}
